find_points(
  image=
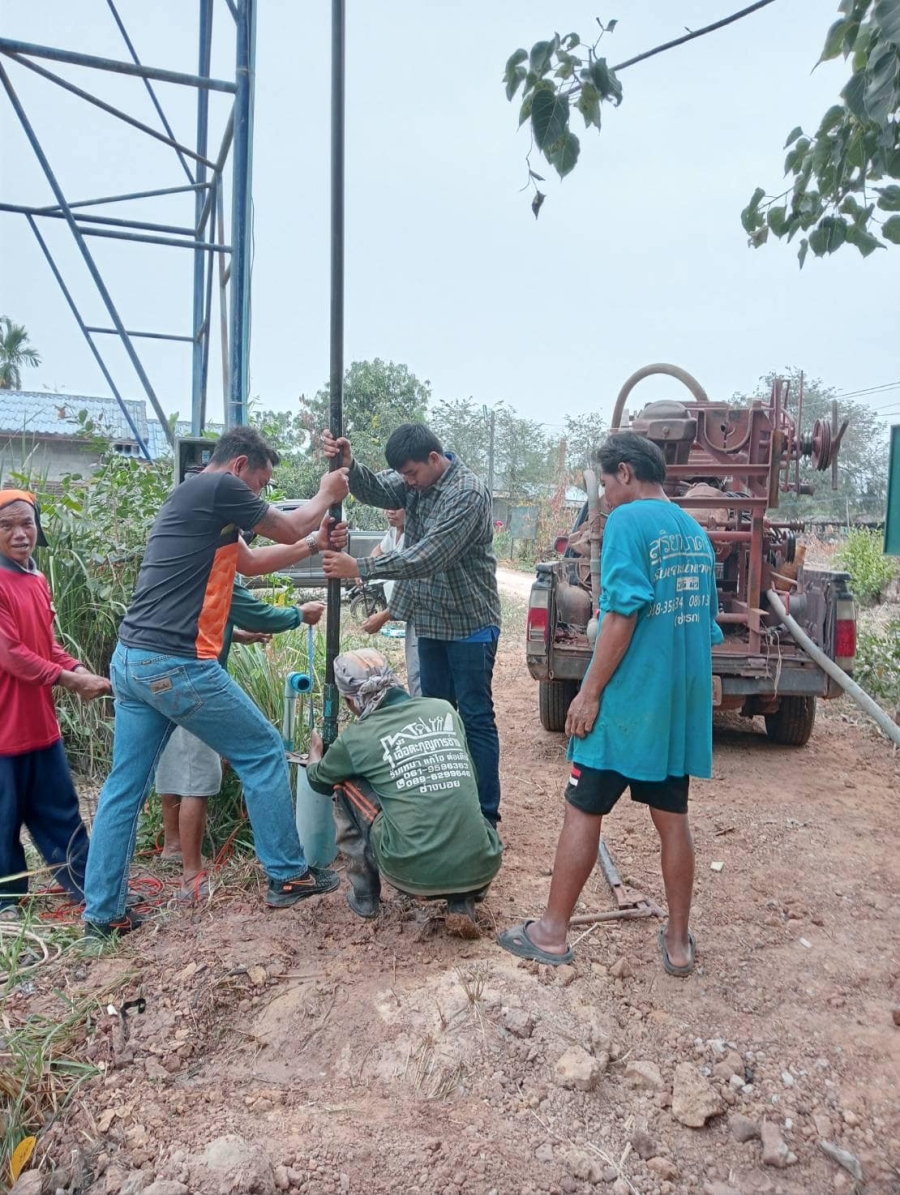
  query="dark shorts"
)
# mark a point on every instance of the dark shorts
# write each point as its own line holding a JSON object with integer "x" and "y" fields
{"x": 596, "y": 790}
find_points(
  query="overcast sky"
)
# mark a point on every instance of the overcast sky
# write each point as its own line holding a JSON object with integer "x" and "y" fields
{"x": 638, "y": 256}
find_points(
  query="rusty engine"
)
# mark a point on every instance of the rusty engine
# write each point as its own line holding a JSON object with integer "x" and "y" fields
{"x": 727, "y": 465}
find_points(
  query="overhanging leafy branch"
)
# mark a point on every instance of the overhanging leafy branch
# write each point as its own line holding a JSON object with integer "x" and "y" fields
{"x": 834, "y": 198}
{"x": 565, "y": 73}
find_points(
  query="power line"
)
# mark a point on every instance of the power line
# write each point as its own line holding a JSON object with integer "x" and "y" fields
{"x": 890, "y": 402}
{"x": 868, "y": 390}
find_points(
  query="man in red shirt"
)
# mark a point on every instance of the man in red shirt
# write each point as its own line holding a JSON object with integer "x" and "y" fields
{"x": 36, "y": 788}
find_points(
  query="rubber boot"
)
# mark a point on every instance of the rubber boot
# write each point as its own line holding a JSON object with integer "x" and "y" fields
{"x": 364, "y": 897}
{"x": 461, "y": 916}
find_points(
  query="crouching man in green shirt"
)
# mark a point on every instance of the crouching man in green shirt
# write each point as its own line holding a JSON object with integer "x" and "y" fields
{"x": 406, "y": 798}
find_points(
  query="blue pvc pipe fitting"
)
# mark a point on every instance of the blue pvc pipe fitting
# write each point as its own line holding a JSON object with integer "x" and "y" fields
{"x": 300, "y": 682}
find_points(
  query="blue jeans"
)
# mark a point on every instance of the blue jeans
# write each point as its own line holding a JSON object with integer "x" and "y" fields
{"x": 36, "y": 791}
{"x": 154, "y": 693}
{"x": 462, "y": 673}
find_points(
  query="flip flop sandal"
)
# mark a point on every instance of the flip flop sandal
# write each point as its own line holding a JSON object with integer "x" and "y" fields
{"x": 196, "y": 891}
{"x": 670, "y": 967}
{"x": 517, "y": 942}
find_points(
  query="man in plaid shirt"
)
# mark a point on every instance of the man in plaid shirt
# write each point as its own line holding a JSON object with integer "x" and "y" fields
{"x": 449, "y": 583}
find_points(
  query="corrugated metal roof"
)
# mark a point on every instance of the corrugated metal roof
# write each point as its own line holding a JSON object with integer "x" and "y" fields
{"x": 158, "y": 442}
{"x": 40, "y": 413}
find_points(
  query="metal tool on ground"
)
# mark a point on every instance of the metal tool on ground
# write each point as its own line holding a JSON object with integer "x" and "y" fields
{"x": 630, "y": 904}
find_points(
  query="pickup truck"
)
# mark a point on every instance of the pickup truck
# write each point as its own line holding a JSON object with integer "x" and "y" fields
{"x": 782, "y": 683}
{"x": 726, "y": 466}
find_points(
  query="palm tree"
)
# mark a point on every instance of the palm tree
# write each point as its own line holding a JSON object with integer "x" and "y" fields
{"x": 14, "y": 352}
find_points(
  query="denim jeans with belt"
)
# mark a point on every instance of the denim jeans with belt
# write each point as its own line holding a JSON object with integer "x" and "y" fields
{"x": 462, "y": 673}
{"x": 154, "y": 693}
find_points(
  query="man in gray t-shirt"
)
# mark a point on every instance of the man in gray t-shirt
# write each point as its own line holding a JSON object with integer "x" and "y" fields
{"x": 165, "y": 672}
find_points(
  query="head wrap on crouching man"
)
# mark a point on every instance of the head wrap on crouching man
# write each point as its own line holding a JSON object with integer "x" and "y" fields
{"x": 365, "y": 677}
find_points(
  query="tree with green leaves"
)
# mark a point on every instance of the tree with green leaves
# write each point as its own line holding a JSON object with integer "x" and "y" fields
{"x": 297, "y": 475}
{"x": 841, "y": 193}
{"x": 378, "y": 397}
{"x": 463, "y": 427}
{"x": 584, "y": 434}
{"x": 524, "y": 457}
{"x": 15, "y": 352}
{"x": 841, "y": 190}
{"x": 556, "y": 76}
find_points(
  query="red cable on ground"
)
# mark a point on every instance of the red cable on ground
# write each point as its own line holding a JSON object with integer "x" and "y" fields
{"x": 227, "y": 849}
{"x": 149, "y": 886}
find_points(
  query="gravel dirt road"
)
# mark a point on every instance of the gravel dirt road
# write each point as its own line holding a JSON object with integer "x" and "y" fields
{"x": 515, "y": 584}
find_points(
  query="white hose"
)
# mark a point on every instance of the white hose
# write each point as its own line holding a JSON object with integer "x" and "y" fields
{"x": 847, "y": 683}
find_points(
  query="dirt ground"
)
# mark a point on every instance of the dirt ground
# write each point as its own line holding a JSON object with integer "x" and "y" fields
{"x": 306, "y": 1051}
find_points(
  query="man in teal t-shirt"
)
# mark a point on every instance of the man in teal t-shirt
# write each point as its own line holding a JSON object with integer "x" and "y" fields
{"x": 643, "y": 717}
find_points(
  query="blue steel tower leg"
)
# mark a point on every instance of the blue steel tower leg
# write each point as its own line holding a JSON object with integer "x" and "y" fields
{"x": 202, "y": 260}
{"x": 242, "y": 215}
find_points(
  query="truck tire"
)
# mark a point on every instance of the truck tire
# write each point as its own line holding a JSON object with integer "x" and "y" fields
{"x": 554, "y": 699}
{"x": 793, "y": 722}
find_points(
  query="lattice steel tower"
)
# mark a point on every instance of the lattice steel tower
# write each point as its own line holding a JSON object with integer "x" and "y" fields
{"x": 220, "y": 261}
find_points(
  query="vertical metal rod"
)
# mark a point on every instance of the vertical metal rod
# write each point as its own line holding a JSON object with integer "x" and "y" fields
{"x": 85, "y": 252}
{"x": 754, "y": 581}
{"x": 206, "y": 338}
{"x": 336, "y": 379}
{"x": 491, "y": 458}
{"x": 242, "y": 216}
{"x": 835, "y": 427}
{"x": 81, "y": 324}
{"x": 218, "y": 167}
{"x": 156, "y": 104}
{"x": 223, "y": 289}
{"x": 799, "y": 427}
{"x": 202, "y": 261}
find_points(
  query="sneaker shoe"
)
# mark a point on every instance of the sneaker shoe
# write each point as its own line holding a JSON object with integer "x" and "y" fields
{"x": 316, "y": 882}
{"x": 461, "y": 917}
{"x": 11, "y": 912}
{"x": 112, "y": 929}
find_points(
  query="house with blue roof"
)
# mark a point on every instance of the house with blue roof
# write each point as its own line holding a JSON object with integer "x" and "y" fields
{"x": 48, "y": 435}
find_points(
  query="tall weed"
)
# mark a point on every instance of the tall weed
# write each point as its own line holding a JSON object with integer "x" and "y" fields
{"x": 863, "y": 557}
{"x": 878, "y": 661}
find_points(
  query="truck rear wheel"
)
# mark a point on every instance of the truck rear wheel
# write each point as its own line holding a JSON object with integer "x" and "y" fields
{"x": 793, "y": 722}
{"x": 554, "y": 699}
